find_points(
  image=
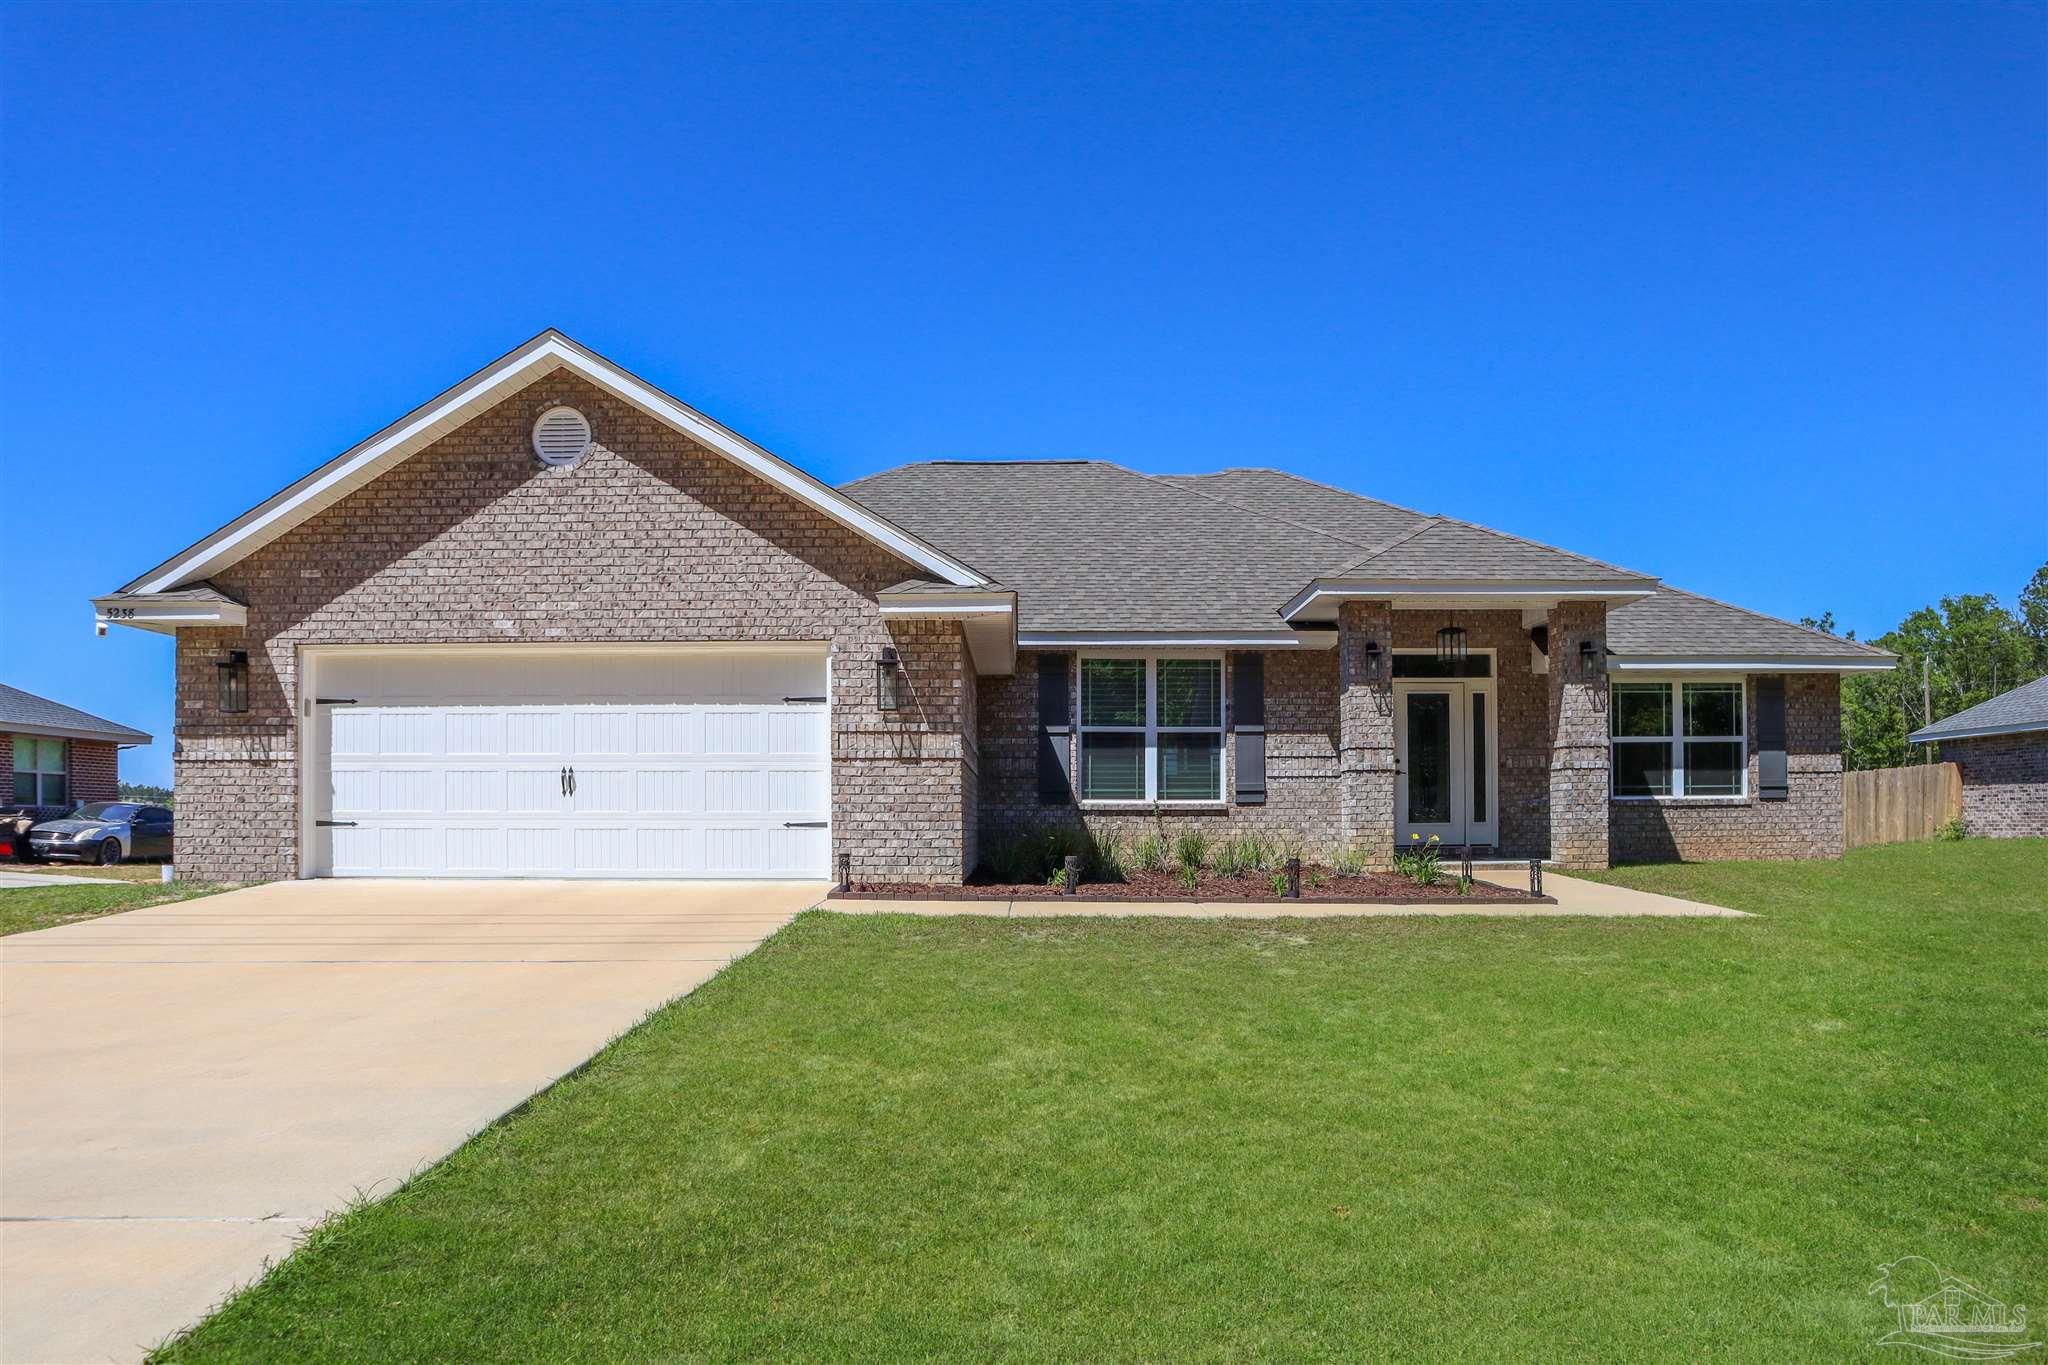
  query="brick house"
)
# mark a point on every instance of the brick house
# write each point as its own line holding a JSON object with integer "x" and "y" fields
{"x": 56, "y": 756}
{"x": 556, "y": 623}
{"x": 2001, "y": 746}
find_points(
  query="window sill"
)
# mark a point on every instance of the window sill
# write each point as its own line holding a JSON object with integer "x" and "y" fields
{"x": 1743, "y": 800}
{"x": 1148, "y": 807}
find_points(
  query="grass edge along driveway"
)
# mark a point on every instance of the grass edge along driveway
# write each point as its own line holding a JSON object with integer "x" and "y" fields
{"x": 27, "y": 908}
{"x": 1391, "y": 1138}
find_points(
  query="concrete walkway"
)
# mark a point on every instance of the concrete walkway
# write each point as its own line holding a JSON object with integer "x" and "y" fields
{"x": 185, "y": 1089}
{"x": 12, "y": 877}
{"x": 1575, "y": 897}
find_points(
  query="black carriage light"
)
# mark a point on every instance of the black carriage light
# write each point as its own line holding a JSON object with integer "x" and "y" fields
{"x": 889, "y": 681}
{"x": 1450, "y": 643}
{"x": 1372, "y": 658}
{"x": 1592, "y": 658}
{"x": 234, "y": 680}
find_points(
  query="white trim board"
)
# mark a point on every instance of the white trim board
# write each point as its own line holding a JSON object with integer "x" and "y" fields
{"x": 1478, "y": 594}
{"x": 1745, "y": 663}
{"x": 549, "y": 351}
{"x": 1166, "y": 639}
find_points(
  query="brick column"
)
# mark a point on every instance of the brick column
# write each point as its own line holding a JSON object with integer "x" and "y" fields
{"x": 1578, "y": 736}
{"x": 1365, "y": 729}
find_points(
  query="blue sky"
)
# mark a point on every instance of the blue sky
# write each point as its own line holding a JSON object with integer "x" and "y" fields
{"x": 1751, "y": 297}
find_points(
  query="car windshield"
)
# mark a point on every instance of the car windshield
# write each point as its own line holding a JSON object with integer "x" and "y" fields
{"x": 105, "y": 810}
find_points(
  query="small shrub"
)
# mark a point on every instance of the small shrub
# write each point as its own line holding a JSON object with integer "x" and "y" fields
{"x": 1419, "y": 862}
{"x": 1464, "y": 885}
{"x": 1241, "y": 853}
{"x": 1055, "y": 847}
{"x": 1149, "y": 852}
{"x": 1188, "y": 875}
{"x": 1347, "y": 860}
{"x": 999, "y": 860}
{"x": 1260, "y": 851}
{"x": 1058, "y": 880}
{"x": 1315, "y": 875}
{"x": 1191, "y": 851}
{"x": 1951, "y": 830}
{"x": 1110, "y": 857}
{"x": 1279, "y": 883}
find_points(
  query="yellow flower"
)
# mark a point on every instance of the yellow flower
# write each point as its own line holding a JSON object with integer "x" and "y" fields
{"x": 1415, "y": 836}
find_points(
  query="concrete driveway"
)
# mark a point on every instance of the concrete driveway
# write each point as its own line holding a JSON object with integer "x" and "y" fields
{"x": 184, "y": 1090}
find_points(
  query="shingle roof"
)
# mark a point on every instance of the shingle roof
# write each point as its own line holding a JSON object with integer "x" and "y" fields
{"x": 1094, "y": 546}
{"x": 2024, "y": 708}
{"x": 1442, "y": 548}
{"x": 1289, "y": 497}
{"x": 26, "y": 713}
{"x": 1680, "y": 623}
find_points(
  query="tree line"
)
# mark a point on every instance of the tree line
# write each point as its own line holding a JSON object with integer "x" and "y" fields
{"x": 1974, "y": 648}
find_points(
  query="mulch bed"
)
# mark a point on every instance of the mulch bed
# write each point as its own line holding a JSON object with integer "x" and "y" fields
{"x": 1367, "y": 887}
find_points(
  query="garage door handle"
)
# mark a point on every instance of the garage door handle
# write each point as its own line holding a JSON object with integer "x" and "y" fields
{"x": 335, "y": 824}
{"x": 572, "y": 779}
{"x": 803, "y": 824}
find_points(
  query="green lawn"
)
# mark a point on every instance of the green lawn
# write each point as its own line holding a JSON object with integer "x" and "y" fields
{"x": 41, "y": 907}
{"x": 1383, "y": 1138}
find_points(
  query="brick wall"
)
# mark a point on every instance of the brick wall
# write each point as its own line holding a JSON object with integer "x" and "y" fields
{"x": 2005, "y": 784}
{"x": 650, "y": 538}
{"x": 95, "y": 770}
{"x": 1579, "y": 821}
{"x": 1365, "y": 728}
{"x": 1808, "y": 824}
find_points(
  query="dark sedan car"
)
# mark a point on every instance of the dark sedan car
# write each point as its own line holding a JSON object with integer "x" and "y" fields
{"x": 104, "y": 832}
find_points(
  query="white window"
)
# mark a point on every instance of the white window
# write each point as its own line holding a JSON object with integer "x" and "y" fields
{"x": 1678, "y": 739}
{"x": 1151, "y": 729}
{"x": 39, "y": 772}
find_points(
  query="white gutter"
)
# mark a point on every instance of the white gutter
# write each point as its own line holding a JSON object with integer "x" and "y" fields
{"x": 1744, "y": 663}
{"x": 1341, "y": 589}
{"x": 1247, "y": 639}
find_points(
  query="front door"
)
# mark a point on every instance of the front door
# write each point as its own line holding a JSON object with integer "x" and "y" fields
{"x": 1443, "y": 760}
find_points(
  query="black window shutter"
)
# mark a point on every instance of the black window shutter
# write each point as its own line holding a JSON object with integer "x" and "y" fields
{"x": 1248, "y": 719}
{"x": 1055, "y": 729}
{"x": 1771, "y": 781}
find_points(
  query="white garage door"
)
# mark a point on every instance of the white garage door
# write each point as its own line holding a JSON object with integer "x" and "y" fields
{"x": 572, "y": 763}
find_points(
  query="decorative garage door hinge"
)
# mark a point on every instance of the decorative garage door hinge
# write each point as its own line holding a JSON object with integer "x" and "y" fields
{"x": 335, "y": 824}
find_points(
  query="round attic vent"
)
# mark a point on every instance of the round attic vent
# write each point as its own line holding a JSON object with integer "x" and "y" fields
{"x": 561, "y": 436}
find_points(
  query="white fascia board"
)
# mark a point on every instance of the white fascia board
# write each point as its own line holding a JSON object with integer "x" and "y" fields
{"x": 549, "y": 351}
{"x": 1976, "y": 732}
{"x": 1479, "y": 590}
{"x": 126, "y": 739}
{"x": 167, "y": 614}
{"x": 1745, "y": 663}
{"x": 948, "y": 605}
{"x": 1128, "y": 639}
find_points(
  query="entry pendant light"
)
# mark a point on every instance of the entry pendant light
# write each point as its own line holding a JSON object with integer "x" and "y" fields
{"x": 1450, "y": 643}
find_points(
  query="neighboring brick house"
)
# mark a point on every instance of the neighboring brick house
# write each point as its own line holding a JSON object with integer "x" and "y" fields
{"x": 2001, "y": 746}
{"x": 56, "y": 756}
{"x": 556, "y": 623}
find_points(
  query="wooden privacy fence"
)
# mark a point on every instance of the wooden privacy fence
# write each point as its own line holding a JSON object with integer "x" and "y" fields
{"x": 1894, "y": 805}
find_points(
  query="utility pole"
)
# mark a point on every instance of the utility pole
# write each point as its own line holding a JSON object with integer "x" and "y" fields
{"x": 1926, "y": 709}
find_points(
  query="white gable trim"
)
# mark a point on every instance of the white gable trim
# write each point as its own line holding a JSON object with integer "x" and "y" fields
{"x": 545, "y": 353}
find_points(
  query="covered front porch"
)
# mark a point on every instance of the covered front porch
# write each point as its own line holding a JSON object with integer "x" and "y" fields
{"x": 1474, "y": 722}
